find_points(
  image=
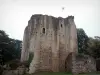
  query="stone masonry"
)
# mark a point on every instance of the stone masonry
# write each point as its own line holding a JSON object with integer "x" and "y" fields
{"x": 51, "y": 40}
{"x": 84, "y": 64}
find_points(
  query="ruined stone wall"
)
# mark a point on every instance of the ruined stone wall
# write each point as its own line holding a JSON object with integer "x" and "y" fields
{"x": 51, "y": 40}
{"x": 84, "y": 64}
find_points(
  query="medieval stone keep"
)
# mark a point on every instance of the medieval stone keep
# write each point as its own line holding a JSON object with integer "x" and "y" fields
{"x": 51, "y": 40}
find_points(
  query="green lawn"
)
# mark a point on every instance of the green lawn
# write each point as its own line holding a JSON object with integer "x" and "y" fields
{"x": 60, "y": 73}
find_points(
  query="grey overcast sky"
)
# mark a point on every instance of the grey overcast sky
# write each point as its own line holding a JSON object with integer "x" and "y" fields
{"x": 14, "y": 14}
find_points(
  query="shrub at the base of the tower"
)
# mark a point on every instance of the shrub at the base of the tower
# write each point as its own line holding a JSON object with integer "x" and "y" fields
{"x": 31, "y": 55}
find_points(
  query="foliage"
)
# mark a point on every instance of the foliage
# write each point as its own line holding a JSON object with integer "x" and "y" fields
{"x": 18, "y": 47}
{"x": 82, "y": 41}
{"x": 31, "y": 55}
{"x": 94, "y": 47}
{"x": 88, "y": 45}
{"x": 9, "y": 48}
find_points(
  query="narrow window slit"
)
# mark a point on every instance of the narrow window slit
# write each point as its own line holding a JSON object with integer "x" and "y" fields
{"x": 43, "y": 30}
{"x": 61, "y": 25}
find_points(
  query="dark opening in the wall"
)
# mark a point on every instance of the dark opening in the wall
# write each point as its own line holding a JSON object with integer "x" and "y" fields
{"x": 61, "y": 25}
{"x": 43, "y": 30}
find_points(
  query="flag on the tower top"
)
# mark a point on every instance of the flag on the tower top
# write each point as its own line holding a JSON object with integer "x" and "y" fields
{"x": 63, "y": 8}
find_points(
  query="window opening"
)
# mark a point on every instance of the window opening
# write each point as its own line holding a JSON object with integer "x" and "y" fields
{"x": 43, "y": 30}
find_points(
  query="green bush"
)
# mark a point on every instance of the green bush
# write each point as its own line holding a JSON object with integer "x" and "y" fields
{"x": 31, "y": 55}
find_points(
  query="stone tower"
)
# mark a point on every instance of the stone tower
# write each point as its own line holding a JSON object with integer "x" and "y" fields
{"x": 51, "y": 40}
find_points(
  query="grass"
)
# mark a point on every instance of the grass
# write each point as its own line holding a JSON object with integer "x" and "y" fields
{"x": 61, "y": 73}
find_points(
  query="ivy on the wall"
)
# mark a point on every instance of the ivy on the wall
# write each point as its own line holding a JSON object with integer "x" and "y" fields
{"x": 31, "y": 55}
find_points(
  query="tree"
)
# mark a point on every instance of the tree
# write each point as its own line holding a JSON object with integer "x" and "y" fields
{"x": 18, "y": 47}
{"x": 94, "y": 47}
{"x": 88, "y": 45}
{"x": 3, "y": 42}
{"x": 9, "y": 48}
{"x": 82, "y": 41}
